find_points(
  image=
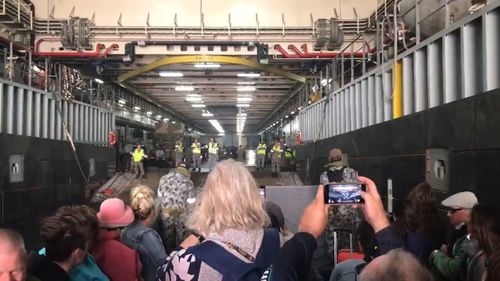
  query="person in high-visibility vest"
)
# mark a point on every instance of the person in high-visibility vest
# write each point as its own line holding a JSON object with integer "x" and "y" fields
{"x": 213, "y": 148}
{"x": 196, "y": 149}
{"x": 179, "y": 151}
{"x": 137, "y": 156}
{"x": 261, "y": 155}
{"x": 276, "y": 160}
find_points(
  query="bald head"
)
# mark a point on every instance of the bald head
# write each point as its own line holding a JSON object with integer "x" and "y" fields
{"x": 395, "y": 265}
{"x": 335, "y": 154}
{"x": 12, "y": 255}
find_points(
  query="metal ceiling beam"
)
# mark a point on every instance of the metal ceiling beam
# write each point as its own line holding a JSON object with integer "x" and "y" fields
{"x": 160, "y": 104}
{"x": 218, "y": 59}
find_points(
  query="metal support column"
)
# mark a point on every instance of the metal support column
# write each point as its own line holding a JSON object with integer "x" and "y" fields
{"x": 71, "y": 120}
{"x": 434, "y": 72}
{"x": 10, "y": 110}
{"x": 37, "y": 118}
{"x": 20, "y": 111}
{"x": 357, "y": 105}
{"x": 59, "y": 112}
{"x": 64, "y": 119}
{"x": 491, "y": 41}
{"x": 52, "y": 119}
{"x": 408, "y": 85}
{"x": 45, "y": 117}
{"x": 387, "y": 93}
{"x": 87, "y": 121}
{"x": 364, "y": 103}
{"x": 451, "y": 67}
{"x": 471, "y": 67}
{"x": 348, "y": 105}
{"x": 76, "y": 129}
{"x": 342, "y": 112}
{"x": 371, "y": 101}
{"x": 29, "y": 113}
{"x": 397, "y": 96}
{"x": 379, "y": 100}
{"x": 337, "y": 114}
{"x": 420, "y": 82}
{"x": 352, "y": 107}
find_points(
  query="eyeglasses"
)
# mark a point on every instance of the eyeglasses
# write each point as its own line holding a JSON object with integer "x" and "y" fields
{"x": 452, "y": 211}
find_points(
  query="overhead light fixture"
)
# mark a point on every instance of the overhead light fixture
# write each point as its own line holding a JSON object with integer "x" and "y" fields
{"x": 184, "y": 88}
{"x": 149, "y": 113}
{"x": 241, "y": 114}
{"x": 121, "y": 105}
{"x": 198, "y": 105}
{"x": 245, "y": 89}
{"x": 136, "y": 108}
{"x": 292, "y": 113}
{"x": 243, "y": 105}
{"x": 158, "y": 116}
{"x": 193, "y": 98}
{"x": 248, "y": 75}
{"x": 207, "y": 114}
{"x": 245, "y": 83}
{"x": 122, "y": 101}
{"x": 207, "y": 65}
{"x": 165, "y": 120}
{"x": 221, "y": 134}
{"x": 286, "y": 116}
{"x": 173, "y": 122}
{"x": 216, "y": 125}
{"x": 99, "y": 81}
{"x": 170, "y": 74}
{"x": 244, "y": 99}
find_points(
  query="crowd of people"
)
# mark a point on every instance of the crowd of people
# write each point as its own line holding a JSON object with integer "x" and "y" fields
{"x": 228, "y": 232}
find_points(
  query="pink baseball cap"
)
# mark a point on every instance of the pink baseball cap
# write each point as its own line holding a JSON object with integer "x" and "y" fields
{"x": 114, "y": 213}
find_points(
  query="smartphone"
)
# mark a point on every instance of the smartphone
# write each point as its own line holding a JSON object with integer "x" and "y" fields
{"x": 343, "y": 193}
{"x": 262, "y": 191}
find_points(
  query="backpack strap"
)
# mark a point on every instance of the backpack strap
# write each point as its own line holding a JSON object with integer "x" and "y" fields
{"x": 232, "y": 267}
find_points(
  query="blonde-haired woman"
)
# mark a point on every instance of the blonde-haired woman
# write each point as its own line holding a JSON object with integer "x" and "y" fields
{"x": 140, "y": 236}
{"x": 230, "y": 221}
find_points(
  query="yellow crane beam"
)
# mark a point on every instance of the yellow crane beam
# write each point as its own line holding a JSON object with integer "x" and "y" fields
{"x": 216, "y": 59}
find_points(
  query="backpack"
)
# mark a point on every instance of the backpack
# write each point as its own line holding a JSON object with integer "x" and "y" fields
{"x": 233, "y": 268}
{"x": 336, "y": 175}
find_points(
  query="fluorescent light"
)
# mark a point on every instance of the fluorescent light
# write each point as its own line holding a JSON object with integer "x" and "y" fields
{"x": 243, "y": 105}
{"x": 207, "y": 114}
{"x": 241, "y": 114}
{"x": 249, "y": 75}
{"x": 246, "y": 83}
{"x": 158, "y": 116}
{"x": 165, "y": 120}
{"x": 216, "y": 125}
{"x": 246, "y": 89}
{"x": 136, "y": 108}
{"x": 122, "y": 101}
{"x": 207, "y": 65}
{"x": 149, "y": 113}
{"x": 120, "y": 105}
{"x": 173, "y": 122}
{"x": 184, "y": 88}
{"x": 221, "y": 134}
{"x": 292, "y": 113}
{"x": 198, "y": 105}
{"x": 193, "y": 98}
{"x": 99, "y": 81}
{"x": 170, "y": 74}
{"x": 286, "y": 116}
{"x": 244, "y": 99}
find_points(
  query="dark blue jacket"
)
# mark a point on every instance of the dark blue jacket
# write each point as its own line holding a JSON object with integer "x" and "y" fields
{"x": 148, "y": 243}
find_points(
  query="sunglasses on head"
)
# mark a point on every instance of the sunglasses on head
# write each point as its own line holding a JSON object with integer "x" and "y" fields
{"x": 452, "y": 211}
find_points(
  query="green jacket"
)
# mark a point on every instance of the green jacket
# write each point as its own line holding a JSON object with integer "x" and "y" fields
{"x": 450, "y": 267}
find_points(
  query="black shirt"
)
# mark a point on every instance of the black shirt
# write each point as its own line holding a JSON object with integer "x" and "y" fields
{"x": 44, "y": 269}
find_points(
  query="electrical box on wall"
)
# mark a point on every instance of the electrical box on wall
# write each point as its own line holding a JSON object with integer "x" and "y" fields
{"x": 16, "y": 168}
{"x": 437, "y": 167}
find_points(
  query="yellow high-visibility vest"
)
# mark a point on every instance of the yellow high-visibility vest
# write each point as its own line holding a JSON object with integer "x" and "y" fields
{"x": 196, "y": 149}
{"x": 138, "y": 155}
{"x": 179, "y": 148}
{"x": 212, "y": 148}
{"x": 277, "y": 151}
{"x": 261, "y": 149}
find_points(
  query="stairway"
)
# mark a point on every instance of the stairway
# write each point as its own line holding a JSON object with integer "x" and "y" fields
{"x": 113, "y": 187}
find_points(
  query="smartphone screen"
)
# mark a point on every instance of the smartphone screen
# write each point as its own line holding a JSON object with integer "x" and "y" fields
{"x": 344, "y": 193}
{"x": 262, "y": 190}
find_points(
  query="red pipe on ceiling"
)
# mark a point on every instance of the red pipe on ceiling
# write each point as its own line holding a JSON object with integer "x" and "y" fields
{"x": 96, "y": 54}
{"x": 306, "y": 54}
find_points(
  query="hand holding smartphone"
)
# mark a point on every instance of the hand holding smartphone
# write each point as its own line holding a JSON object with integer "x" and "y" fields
{"x": 343, "y": 193}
